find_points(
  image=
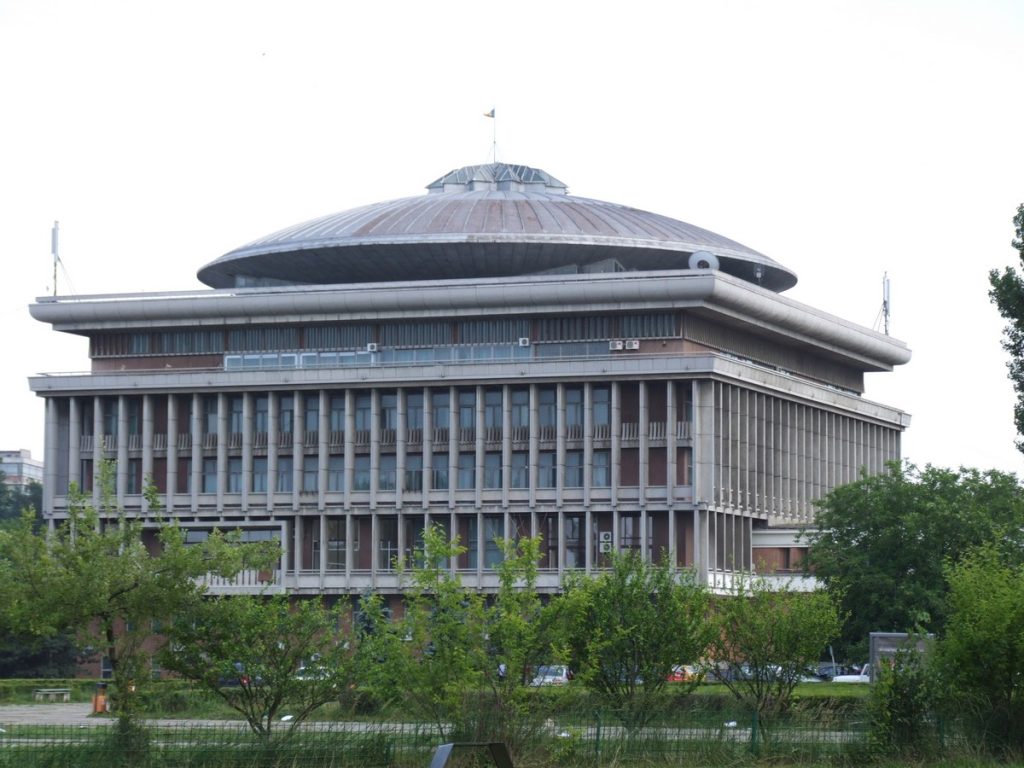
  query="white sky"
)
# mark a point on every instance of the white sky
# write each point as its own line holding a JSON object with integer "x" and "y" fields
{"x": 843, "y": 139}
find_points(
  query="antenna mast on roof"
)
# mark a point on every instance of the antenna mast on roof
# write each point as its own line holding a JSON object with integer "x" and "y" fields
{"x": 885, "y": 301}
{"x": 53, "y": 251}
{"x": 494, "y": 134}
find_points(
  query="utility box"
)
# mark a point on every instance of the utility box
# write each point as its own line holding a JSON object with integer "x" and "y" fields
{"x": 884, "y": 645}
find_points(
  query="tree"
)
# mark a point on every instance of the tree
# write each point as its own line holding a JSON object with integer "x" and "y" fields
{"x": 1007, "y": 293}
{"x": 980, "y": 658}
{"x": 14, "y": 500}
{"x": 769, "y": 636}
{"x": 882, "y": 541}
{"x": 262, "y": 655}
{"x": 102, "y": 575}
{"x": 518, "y": 641}
{"x": 433, "y": 656}
{"x": 626, "y": 628}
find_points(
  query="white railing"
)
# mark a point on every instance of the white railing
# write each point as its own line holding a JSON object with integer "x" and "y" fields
{"x": 249, "y": 581}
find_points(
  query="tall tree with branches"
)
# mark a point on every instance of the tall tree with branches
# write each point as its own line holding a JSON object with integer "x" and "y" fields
{"x": 1007, "y": 293}
{"x": 101, "y": 574}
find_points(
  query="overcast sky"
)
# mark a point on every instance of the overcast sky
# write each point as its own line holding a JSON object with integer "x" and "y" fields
{"x": 845, "y": 140}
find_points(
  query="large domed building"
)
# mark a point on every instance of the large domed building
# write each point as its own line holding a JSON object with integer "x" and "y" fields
{"x": 496, "y": 357}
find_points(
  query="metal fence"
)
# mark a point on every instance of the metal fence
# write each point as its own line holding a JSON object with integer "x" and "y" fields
{"x": 710, "y": 738}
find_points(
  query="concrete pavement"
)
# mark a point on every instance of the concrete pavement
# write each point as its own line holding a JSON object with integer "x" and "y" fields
{"x": 49, "y": 714}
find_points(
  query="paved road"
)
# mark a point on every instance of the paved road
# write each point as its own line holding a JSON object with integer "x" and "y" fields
{"x": 77, "y": 714}
{"x": 48, "y": 714}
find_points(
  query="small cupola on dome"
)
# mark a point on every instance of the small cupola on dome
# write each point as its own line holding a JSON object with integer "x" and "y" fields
{"x": 498, "y": 177}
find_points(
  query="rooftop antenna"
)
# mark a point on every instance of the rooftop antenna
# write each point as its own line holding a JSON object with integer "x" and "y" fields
{"x": 885, "y": 302}
{"x": 494, "y": 134}
{"x": 54, "y": 233}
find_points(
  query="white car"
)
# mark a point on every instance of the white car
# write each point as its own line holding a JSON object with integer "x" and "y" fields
{"x": 552, "y": 674}
{"x": 864, "y": 676}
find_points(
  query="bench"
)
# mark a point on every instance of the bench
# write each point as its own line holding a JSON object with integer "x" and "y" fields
{"x": 52, "y": 694}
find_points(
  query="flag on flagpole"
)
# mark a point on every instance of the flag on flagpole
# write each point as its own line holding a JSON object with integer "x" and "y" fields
{"x": 489, "y": 114}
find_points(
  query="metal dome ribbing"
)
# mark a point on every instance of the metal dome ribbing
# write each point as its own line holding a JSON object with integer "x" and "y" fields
{"x": 489, "y": 220}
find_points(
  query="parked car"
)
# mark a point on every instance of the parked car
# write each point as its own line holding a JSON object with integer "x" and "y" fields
{"x": 552, "y": 674}
{"x": 311, "y": 673}
{"x": 862, "y": 676}
{"x": 684, "y": 673}
{"x": 829, "y": 669}
{"x": 239, "y": 678}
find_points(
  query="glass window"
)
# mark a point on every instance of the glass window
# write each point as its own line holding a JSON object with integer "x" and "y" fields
{"x": 574, "y": 406}
{"x": 361, "y": 475}
{"x": 286, "y": 417}
{"x": 311, "y": 407}
{"x": 335, "y": 473}
{"x": 389, "y": 410}
{"x": 547, "y": 408}
{"x": 261, "y": 414}
{"x": 629, "y": 532}
{"x": 414, "y": 410}
{"x": 442, "y": 409}
{"x": 439, "y": 472}
{"x": 467, "y": 409}
{"x": 575, "y": 547}
{"x": 546, "y": 470}
{"x": 387, "y": 542}
{"x": 573, "y": 469}
{"x": 492, "y": 470}
{"x": 520, "y": 469}
{"x": 363, "y": 411}
{"x": 520, "y": 408}
{"x": 210, "y": 415}
{"x": 493, "y": 533}
{"x": 235, "y": 474}
{"x": 414, "y": 472}
{"x": 335, "y": 543}
{"x": 386, "y": 477}
{"x": 110, "y": 409}
{"x": 285, "y": 467}
{"x": 259, "y": 474}
{"x": 602, "y": 398}
{"x": 337, "y": 413}
{"x": 492, "y": 408}
{"x": 235, "y": 410}
{"x": 310, "y": 472}
{"x": 602, "y": 476}
{"x": 134, "y": 415}
{"x": 467, "y": 471}
{"x": 209, "y": 475}
{"x": 134, "y": 484}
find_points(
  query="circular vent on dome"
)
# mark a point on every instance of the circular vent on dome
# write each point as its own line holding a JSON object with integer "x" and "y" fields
{"x": 703, "y": 260}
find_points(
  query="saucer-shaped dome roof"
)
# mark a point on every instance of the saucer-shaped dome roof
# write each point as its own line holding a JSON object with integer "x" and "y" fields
{"x": 485, "y": 221}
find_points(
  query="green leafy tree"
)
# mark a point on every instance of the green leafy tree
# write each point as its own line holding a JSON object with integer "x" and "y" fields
{"x": 627, "y": 627}
{"x": 14, "y": 501}
{"x": 265, "y": 657}
{"x": 102, "y": 575}
{"x": 1007, "y": 293}
{"x": 769, "y": 636}
{"x": 27, "y": 657}
{"x": 980, "y": 658}
{"x": 518, "y": 641}
{"x": 433, "y": 656}
{"x": 882, "y": 541}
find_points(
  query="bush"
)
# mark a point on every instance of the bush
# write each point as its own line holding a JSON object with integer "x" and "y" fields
{"x": 901, "y": 706}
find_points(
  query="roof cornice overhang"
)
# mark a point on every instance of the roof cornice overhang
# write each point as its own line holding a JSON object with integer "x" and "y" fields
{"x": 709, "y": 292}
